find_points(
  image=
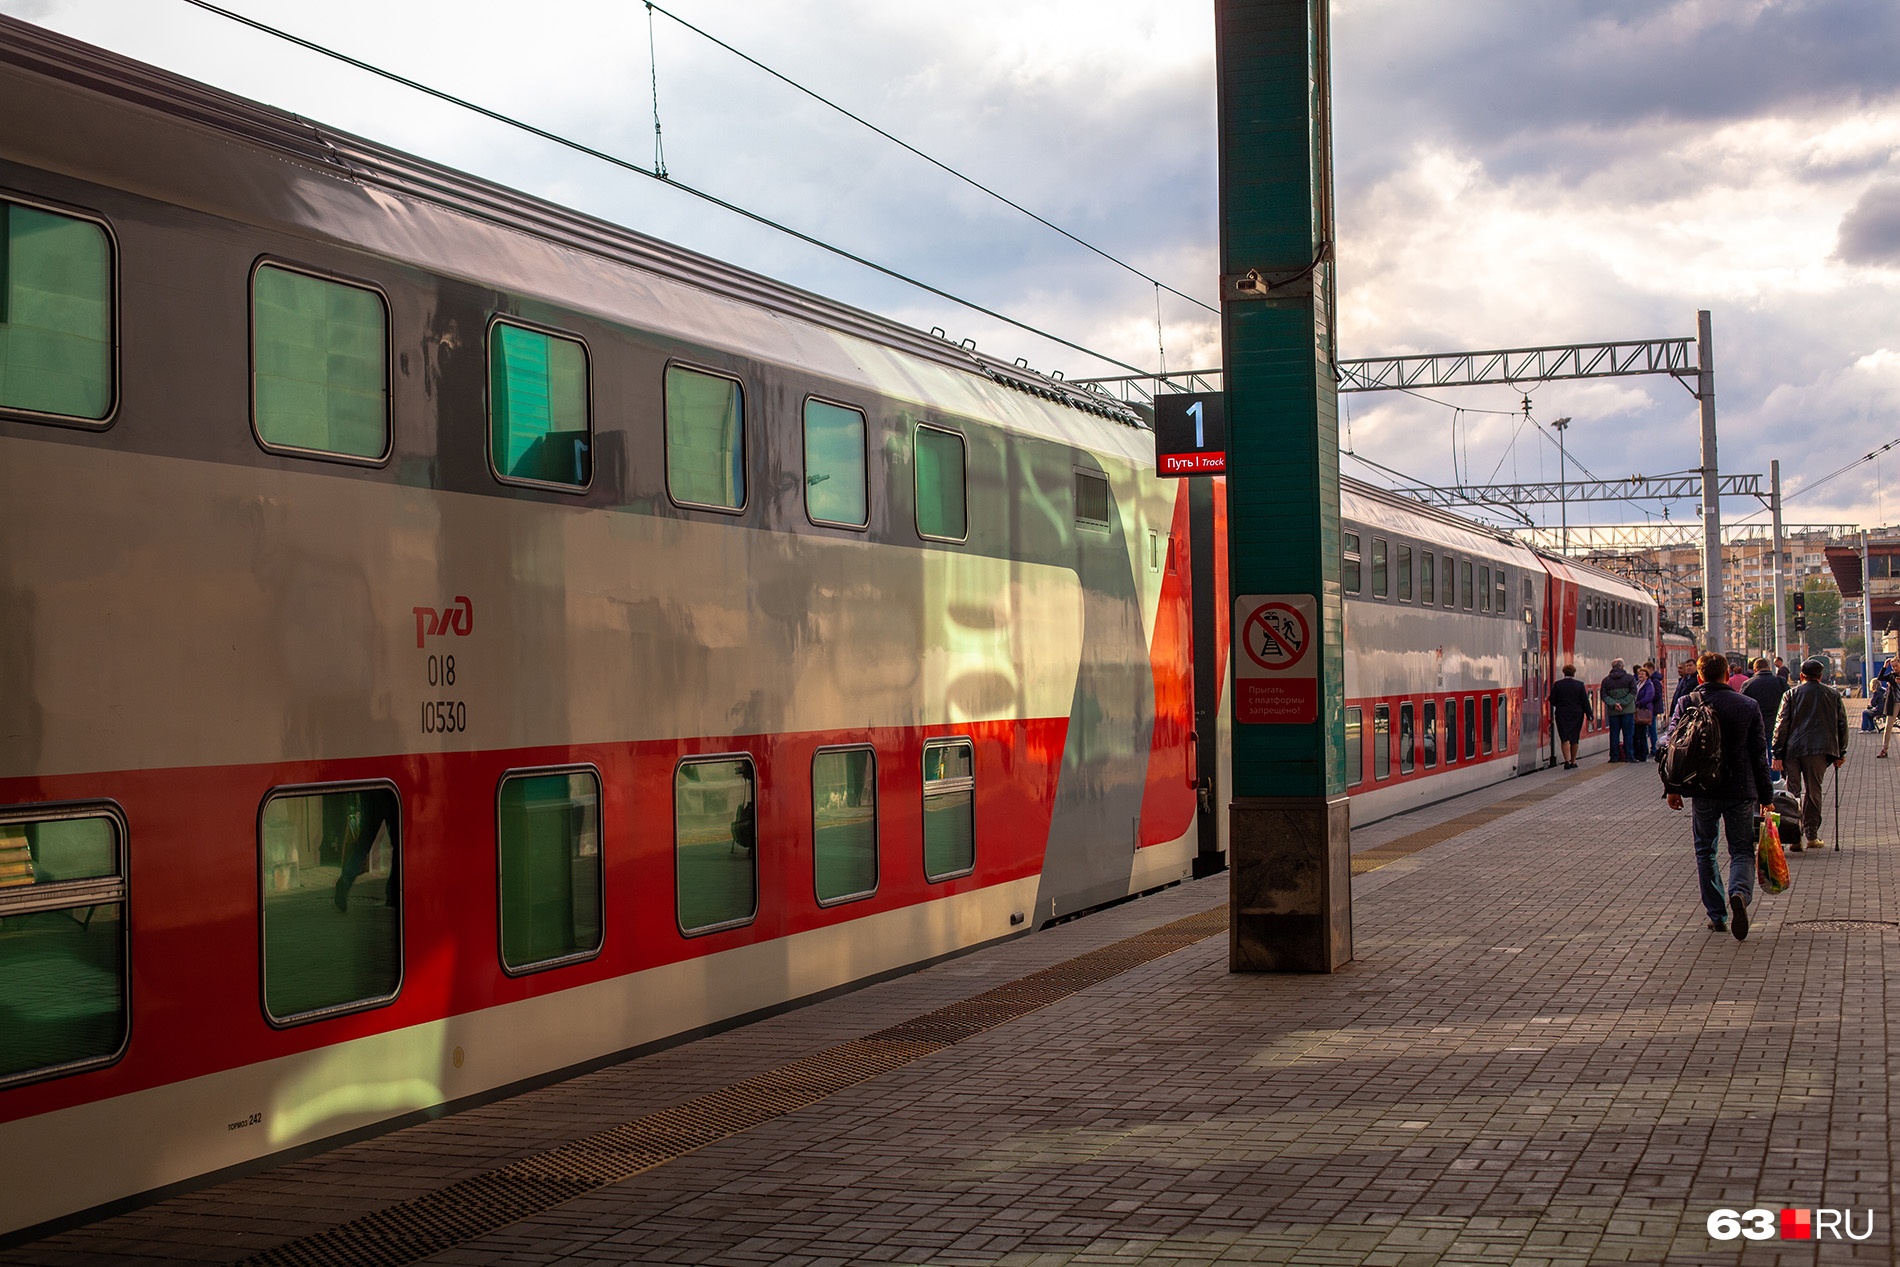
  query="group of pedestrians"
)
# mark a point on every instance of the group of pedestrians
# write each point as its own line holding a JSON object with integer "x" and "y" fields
{"x": 1760, "y": 723}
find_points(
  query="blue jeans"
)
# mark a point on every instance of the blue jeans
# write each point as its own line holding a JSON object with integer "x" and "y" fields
{"x": 1738, "y": 818}
{"x": 1622, "y": 730}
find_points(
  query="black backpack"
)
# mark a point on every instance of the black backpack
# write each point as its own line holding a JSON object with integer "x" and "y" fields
{"x": 1692, "y": 762}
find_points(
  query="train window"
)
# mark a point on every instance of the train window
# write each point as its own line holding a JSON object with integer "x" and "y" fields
{"x": 836, "y": 488}
{"x": 1403, "y": 563}
{"x": 64, "y": 987}
{"x": 1355, "y": 747}
{"x": 332, "y": 909}
{"x": 1428, "y": 733}
{"x": 1484, "y": 589}
{"x": 319, "y": 364}
{"x": 942, "y": 509}
{"x": 715, "y": 843}
{"x": 843, "y": 824}
{"x": 1349, "y": 562}
{"x": 1503, "y": 594}
{"x": 56, "y": 341}
{"x": 1381, "y": 741}
{"x": 1504, "y": 725}
{"x": 1407, "y": 740}
{"x": 1471, "y": 729}
{"x": 1490, "y": 725}
{"x": 1451, "y": 731}
{"x": 1427, "y": 587}
{"x": 1091, "y": 503}
{"x": 547, "y": 834}
{"x": 1379, "y": 586}
{"x": 705, "y": 439}
{"x": 539, "y": 431}
{"x": 1448, "y": 580}
{"x": 1464, "y": 585}
{"x": 1529, "y": 598}
{"x": 949, "y": 809}
{"x": 1589, "y": 613}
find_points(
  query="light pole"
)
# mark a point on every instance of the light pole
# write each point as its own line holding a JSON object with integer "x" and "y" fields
{"x": 1563, "y": 506}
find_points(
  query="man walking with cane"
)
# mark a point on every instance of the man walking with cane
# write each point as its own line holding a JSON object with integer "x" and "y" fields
{"x": 1810, "y": 735}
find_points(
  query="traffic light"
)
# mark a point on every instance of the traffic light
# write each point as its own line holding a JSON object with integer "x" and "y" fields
{"x": 1695, "y": 606}
{"x": 1800, "y": 612}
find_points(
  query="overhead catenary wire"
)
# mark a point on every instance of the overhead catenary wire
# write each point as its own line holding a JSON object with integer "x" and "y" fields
{"x": 581, "y": 147}
{"x": 911, "y": 149}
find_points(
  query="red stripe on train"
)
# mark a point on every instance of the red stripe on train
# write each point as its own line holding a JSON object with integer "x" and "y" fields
{"x": 195, "y": 886}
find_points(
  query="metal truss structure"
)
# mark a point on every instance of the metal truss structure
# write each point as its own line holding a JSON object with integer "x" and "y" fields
{"x": 1593, "y": 539}
{"x": 1683, "y": 486}
{"x": 1513, "y": 366}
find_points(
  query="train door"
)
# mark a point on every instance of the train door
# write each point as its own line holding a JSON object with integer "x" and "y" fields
{"x": 1530, "y": 705}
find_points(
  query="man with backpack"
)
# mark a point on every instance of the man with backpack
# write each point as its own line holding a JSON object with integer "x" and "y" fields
{"x": 1718, "y": 757}
{"x": 1885, "y": 703}
{"x": 1810, "y": 735}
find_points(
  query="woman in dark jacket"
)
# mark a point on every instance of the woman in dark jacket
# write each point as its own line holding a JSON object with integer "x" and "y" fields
{"x": 1569, "y": 705}
{"x": 1648, "y": 704}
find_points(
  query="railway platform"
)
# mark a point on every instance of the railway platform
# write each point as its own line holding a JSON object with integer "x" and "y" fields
{"x": 1539, "y": 1055}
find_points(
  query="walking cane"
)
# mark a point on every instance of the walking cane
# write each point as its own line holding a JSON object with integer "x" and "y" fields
{"x": 1837, "y": 807}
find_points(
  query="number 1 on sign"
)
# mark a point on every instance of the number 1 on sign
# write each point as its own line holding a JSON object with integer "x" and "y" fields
{"x": 1194, "y": 411}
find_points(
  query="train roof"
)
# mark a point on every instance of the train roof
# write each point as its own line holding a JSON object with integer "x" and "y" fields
{"x": 317, "y": 148}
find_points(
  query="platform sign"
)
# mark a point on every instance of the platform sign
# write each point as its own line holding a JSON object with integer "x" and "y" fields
{"x": 1276, "y": 673}
{"x": 1191, "y": 434}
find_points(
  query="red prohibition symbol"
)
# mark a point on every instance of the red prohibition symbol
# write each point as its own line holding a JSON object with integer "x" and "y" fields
{"x": 1276, "y": 637}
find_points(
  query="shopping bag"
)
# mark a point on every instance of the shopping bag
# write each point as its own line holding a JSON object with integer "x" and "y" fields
{"x": 1771, "y": 861}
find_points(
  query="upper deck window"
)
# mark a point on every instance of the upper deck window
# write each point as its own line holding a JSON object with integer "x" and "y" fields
{"x": 538, "y": 428}
{"x": 705, "y": 439}
{"x": 319, "y": 364}
{"x": 1349, "y": 562}
{"x": 1427, "y": 581}
{"x": 1403, "y": 564}
{"x": 1379, "y": 581}
{"x": 56, "y": 353}
{"x": 835, "y": 485}
{"x": 942, "y": 500}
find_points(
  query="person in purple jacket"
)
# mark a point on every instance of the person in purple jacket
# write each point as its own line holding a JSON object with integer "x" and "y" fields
{"x": 1648, "y": 703}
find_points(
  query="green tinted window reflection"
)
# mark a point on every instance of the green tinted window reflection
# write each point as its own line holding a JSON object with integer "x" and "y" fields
{"x": 941, "y": 509}
{"x": 549, "y": 827}
{"x": 949, "y": 810}
{"x": 332, "y": 914}
{"x": 844, "y": 824}
{"x": 715, "y": 843}
{"x": 537, "y": 400}
{"x": 55, "y": 314}
{"x": 319, "y": 364}
{"x": 705, "y": 438}
{"x": 63, "y": 989}
{"x": 834, "y": 464}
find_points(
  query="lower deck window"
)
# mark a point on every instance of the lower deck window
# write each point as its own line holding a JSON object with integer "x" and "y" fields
{"x": 1429, "y": 733}
{"x": 1504, "y": 725}
{"x": 844, "y": 824}
{"x": 1407, "y": 758}
{"x": 1471, "y": 729}
{"x": 64, "y": 1002}
{"x": 1381, "y": 741}
{"x": 547, "y": 832}
{"x": 1490, "y": 725}
{"x": 949, "y": 809}
{"x": 716, "y": 843}
{"x": 332, "y": 906}
{"x": 1355, "y": 747}
{"x": 1451, "y": 731}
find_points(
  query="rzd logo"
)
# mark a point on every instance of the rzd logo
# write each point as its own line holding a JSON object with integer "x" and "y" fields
{"x": 457, "y": 619}
{"x": 1793, "y": 1225}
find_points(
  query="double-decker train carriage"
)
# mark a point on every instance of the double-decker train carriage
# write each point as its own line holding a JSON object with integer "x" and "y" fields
{"x": 447, "y": 640}
{"x": 1453, "y": 636}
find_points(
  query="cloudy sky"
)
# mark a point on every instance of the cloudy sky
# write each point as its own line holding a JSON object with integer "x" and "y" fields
{"x": 1511, "y": 173}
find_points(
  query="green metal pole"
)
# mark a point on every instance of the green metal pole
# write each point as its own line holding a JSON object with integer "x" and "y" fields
{"x": 1289, "y": 827}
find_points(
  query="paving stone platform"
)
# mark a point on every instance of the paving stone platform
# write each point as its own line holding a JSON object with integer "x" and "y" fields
{"x": 1539, "y": 1055}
